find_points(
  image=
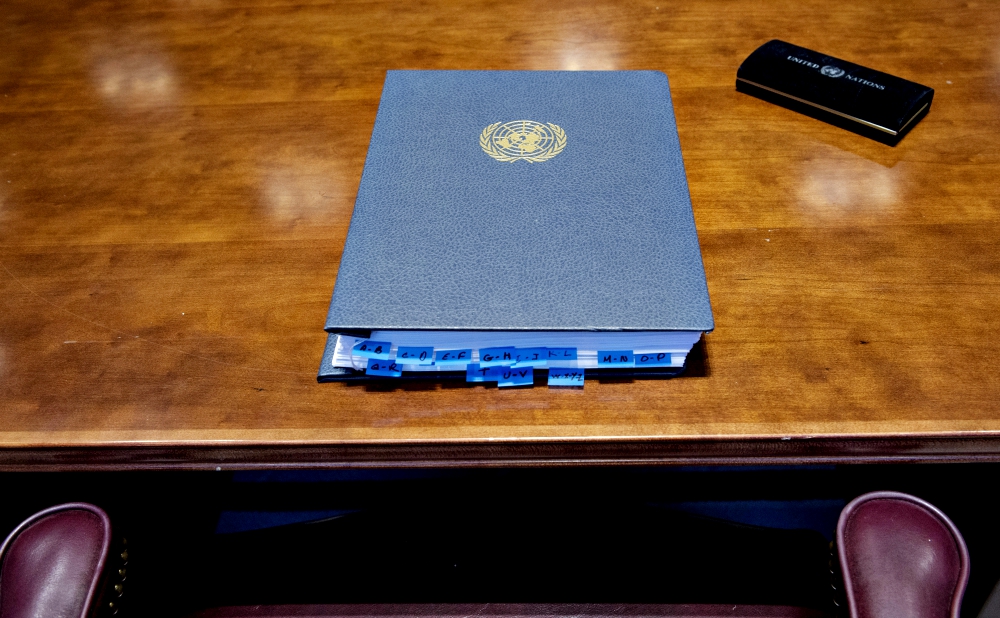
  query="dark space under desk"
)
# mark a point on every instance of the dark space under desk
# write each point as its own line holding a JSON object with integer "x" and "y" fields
{"x": 176, "y": 183}
{"x": 666, "y": 535}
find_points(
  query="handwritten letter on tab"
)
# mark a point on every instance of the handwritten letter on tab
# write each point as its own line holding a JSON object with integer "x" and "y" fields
{"x": 531, "y": 357}
{"x": 614, "y": 358}
{"x": 653, "y": 359}
{"x": 452, "y": 357}
{"x": 372, "y": 349}
{"x": 383, "y": 368}
{"x": 415, "y": 356}
{"x": 514, "y": 376}
{"x": 496, "y": 357}
{"x": 564, "y": 376}
{"x": 476, "y": 373}
{"x": 556, "y": 355}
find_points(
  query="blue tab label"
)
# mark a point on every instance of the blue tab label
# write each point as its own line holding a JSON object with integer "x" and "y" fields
{"x": 560, "y": 354}
{"x": 496, "y": 357}
{"x": 476, "y": 373}
{"x": 531, "y": 357}
{"x": 372, "y": 349}
{"x": 378, "y": 367}
{"x": 653, "y": 359}
{"x": 565, "y": 376}
{"x": 514, "y": 376}
{"x": 614, "y": 358}
{"x": 451, "y": 357}
{"x": 415, "y": 356}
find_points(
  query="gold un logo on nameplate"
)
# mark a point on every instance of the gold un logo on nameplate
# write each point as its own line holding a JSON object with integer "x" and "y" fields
{"x": 524, "y": 140}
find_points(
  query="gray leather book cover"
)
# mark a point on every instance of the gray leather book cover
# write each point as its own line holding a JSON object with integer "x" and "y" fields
{"x": 522, "y": 200}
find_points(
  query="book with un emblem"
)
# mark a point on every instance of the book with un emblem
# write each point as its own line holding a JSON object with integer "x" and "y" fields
{"x": 511, "y": 220}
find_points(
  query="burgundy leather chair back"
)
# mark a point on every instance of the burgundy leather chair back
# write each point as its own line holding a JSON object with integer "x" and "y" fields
{"x": 51, "y": 564}
{"x": 901, "y": 557}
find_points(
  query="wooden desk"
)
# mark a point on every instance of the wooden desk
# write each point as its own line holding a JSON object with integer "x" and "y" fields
{"x": 177, "y": 178}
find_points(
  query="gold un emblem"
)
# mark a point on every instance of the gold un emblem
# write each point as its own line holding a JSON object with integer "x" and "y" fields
{"x": 525, "y": 140}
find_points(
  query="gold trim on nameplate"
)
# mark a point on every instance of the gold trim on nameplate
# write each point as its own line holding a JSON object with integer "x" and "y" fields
{"x": 914, "y": 116}
{"x": 833, "y": 111}
{"x": 522, "y": 140}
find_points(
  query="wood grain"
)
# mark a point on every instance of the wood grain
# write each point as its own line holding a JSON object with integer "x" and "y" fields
{"x": 177, "y": 178}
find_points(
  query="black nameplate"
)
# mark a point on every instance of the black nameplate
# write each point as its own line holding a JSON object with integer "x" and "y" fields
{"x": 874, "y": 104}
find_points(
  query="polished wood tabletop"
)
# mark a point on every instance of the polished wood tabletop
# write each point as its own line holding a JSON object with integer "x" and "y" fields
{"x": 177, "y": 179}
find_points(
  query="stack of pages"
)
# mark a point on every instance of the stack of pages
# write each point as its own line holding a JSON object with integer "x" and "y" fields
{"x": 515, "y": 226}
